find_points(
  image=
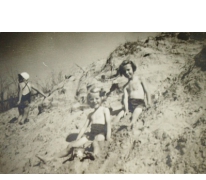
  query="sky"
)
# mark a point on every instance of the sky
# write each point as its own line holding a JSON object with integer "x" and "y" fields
{"x": 41, "y": 53}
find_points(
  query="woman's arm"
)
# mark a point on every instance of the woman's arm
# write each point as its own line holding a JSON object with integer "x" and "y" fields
{"x": 108, "y": 121}
{"x": 146, "y": 90}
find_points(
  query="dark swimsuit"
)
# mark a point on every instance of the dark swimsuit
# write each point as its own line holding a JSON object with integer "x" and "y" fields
{"x": 25, "y": 99}
{"x": 134, "y": 103}
{"x": 95, "y": 130}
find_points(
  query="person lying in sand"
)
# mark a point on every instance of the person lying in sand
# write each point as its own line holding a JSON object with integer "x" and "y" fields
{"x": 24, "y": 95}
{"x": 134, "y": 92}
{"x": 98, "y": 121}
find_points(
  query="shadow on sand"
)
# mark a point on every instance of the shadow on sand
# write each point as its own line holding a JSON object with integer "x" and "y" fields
{"x": 13, "y": 120}
{"x": 71, "y": 137}
{"x": 115, "y": 112}
{"x": 122, "y": 127}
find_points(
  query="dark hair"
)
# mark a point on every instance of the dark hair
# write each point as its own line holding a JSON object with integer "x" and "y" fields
{"x": 20, "y": 78}
{"x": 125, "y": 62}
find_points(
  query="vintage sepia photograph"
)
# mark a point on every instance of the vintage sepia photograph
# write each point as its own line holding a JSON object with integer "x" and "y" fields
{"x": 102, "y": 103}
{"x": 102, "y": 89}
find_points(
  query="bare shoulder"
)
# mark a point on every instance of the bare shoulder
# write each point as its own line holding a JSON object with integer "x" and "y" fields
{"x": 106, "y": 110}
{"x": 89, "y": 115}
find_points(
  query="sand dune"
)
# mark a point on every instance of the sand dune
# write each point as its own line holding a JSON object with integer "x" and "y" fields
{"x": 172, "y": 139}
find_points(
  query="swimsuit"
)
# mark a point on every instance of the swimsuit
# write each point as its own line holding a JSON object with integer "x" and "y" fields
{"x": 95, "y": 130}
{"x": 134, "y": 103}
{"x": 25, "y": 99}
{"x": 98, "y": 129}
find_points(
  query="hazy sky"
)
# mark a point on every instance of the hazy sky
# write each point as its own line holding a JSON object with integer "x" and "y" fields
{"x": 39, "y": 53}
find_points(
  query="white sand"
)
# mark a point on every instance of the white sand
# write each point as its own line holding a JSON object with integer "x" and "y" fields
{"x": 172, "y": 140}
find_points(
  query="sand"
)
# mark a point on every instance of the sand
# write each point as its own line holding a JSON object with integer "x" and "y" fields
{"x": 172, "y": 139}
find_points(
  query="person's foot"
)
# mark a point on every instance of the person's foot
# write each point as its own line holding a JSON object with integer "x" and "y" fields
{"x": 90, "y": 155}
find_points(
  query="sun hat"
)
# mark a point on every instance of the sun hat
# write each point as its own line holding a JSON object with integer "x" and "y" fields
{"x": 25, "y": 75}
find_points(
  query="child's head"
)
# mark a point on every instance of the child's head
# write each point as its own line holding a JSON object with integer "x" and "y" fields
{"x": 127, "y": 68}
{"x": 24, "y": 76}
{"x": 94, "y": 98}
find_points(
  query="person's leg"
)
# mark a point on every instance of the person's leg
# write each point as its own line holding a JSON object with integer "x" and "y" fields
{"x": 96, "y": 148}
{"x": 21, "y": 110}
{"x": 95, "y": 144}
{"x": 25, "y": 114}
{"x": 64, "y": 152}
{"x": 135, "y": 116}
{"x": 19, "y": 118}
{"x": 68, "y": 150}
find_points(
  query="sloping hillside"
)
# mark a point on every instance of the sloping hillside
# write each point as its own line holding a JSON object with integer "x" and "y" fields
{"x": 172, "y": 139}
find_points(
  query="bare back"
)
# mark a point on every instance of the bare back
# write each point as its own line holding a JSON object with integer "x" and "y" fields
{"x": 134, "y": 88}
{"x": 26, "y": 87}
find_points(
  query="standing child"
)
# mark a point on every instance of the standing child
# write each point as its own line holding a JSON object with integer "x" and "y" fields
{"x": 24, "y": 95}
{"x": 98, "y": 121}
{"x": 134, "y": 91}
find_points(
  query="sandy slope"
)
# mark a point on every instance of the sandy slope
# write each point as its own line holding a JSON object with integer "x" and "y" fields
{"x": 173, "y": 137}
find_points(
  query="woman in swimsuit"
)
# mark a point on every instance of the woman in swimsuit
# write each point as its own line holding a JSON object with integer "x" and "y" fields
{"x": 24, "y": 95}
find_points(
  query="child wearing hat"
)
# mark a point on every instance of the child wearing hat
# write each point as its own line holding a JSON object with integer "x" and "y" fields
{"x": 24, "y": 96}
